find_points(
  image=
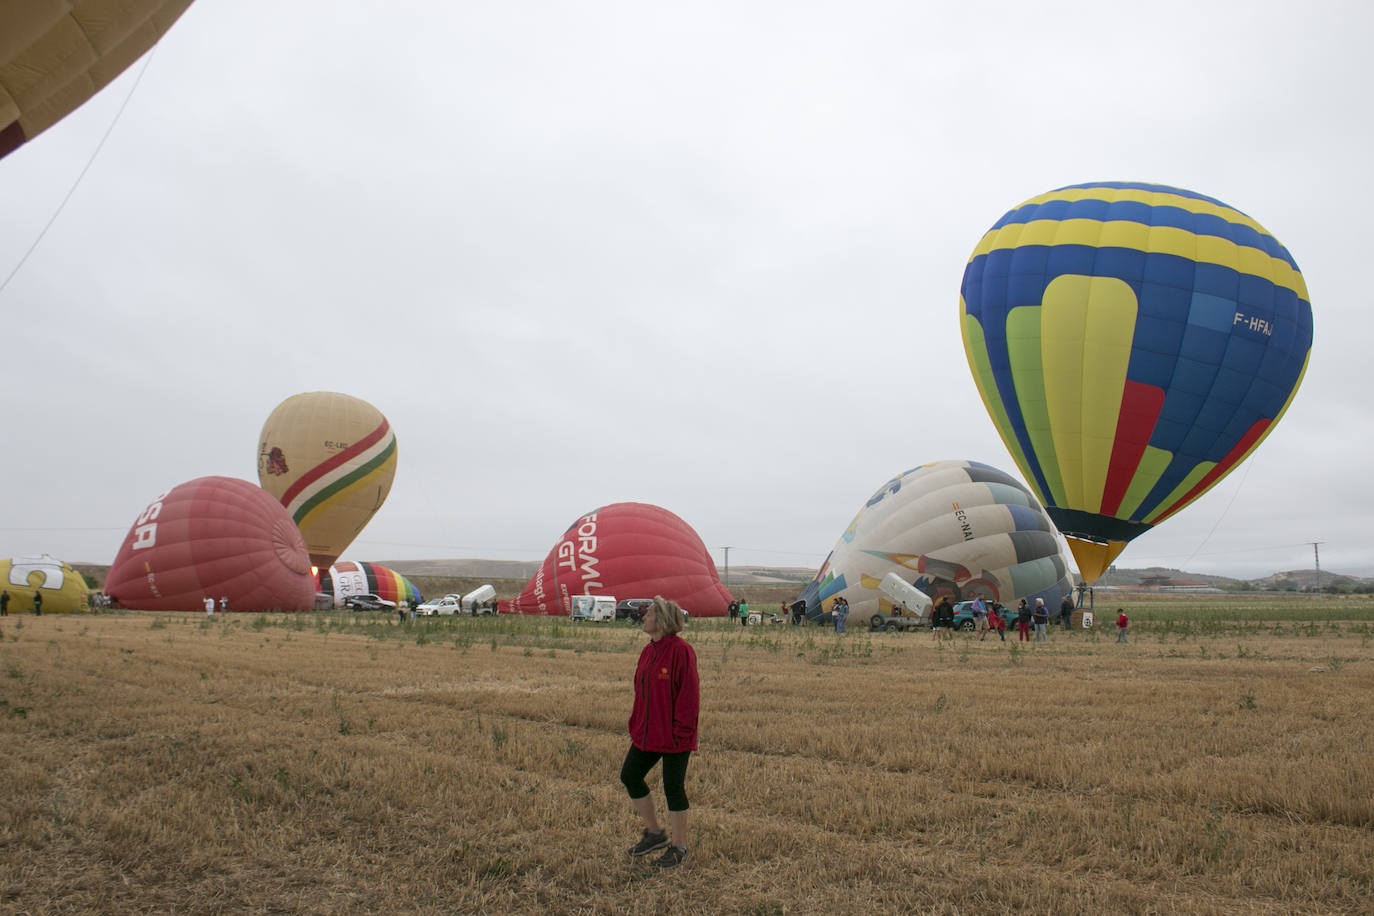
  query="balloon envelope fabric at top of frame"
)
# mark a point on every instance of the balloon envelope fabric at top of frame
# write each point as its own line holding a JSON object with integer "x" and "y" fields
{"x": 330, "y": 458}
{"x": 628, "y": 550}
{"x": 55, "y": 56}
{"x": 1133, "y": 343}
{"x": 61, "y": 587}
{"x": 955, "y": 528}
{"x": 213, "y": 537}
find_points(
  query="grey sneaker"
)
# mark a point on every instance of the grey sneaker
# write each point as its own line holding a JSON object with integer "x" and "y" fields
{"x": 653, "y": 839}
{"x": 672, "y": 857}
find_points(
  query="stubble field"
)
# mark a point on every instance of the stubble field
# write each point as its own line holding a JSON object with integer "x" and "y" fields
{"x": 169, "y": 763}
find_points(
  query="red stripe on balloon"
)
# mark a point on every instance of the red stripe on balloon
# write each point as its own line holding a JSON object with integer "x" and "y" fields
{"x": 330, "y": 464}
{"x": 1237, "y": 452}
{"x": 1140, "y": 407}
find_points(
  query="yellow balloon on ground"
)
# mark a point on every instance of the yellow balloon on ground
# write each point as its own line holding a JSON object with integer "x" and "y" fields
{"x": 56, "y": 54}
{"x": 330, "y": 459}
{"x": 62, "y": 588}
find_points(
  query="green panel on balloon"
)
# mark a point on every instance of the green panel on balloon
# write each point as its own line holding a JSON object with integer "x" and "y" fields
{"x": 1023, "y": 346}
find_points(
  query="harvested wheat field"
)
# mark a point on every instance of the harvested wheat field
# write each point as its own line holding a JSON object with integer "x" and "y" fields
{"x": 165, "y": 763}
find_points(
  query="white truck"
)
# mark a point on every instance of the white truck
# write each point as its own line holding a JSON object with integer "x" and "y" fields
{"x": 592, "y": 607}
{"x": 912, "y": 605}
{"x": 475, "y": 601}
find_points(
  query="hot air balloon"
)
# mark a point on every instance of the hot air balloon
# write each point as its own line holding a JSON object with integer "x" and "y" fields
{"x": 215, "y": 537}
{"x": 346, "y": 579}
{"x": 1133, "y": 344}
{"x": 956, "y": 528}
{"x": 330, "y": 459}
{"x": 63, "y": 589}
{"x": 56, "y": 55}
{"x": 629, "y": 550}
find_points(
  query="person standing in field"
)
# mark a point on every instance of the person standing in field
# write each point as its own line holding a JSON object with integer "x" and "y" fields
{"x": 209, "y": 605}
{"x": 980, "y": 616}
{"x": 4, "y": 603}
{"x": 1041, "y": 616}
{"x": 841, "y": 613}
{"x": 37, "y": 604}
{"x": 663, "y": 726}
{"x": 1122, "y": 624}
{"x": 997, "y": 620}
{"x": 1023, "y": 618}
{"x": 744, "y": 612}
{"x": 1066, "y": 611}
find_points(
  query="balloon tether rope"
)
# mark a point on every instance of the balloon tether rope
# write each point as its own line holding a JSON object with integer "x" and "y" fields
{"x": 77, "y": 183}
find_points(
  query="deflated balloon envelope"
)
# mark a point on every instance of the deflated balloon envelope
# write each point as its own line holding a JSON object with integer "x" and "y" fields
{"x": 63, "y": 589}
{"x": 1133, "y": 344}
{"x": 629, "y": 550}
{"x": 957, "y": 528}
{"x": 347, "y": 578}
{"x": 56, "y": 55}
{"x": 330, "y": 458}
{"x": 216, "y": 537}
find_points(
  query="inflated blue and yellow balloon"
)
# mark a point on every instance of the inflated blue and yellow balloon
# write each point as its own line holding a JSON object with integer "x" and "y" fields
{"x": 1133, "y": 344}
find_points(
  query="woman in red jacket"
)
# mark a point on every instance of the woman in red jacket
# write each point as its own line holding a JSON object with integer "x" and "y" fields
{"x": 663, "y": 726}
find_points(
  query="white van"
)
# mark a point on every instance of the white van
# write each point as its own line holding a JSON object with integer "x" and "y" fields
{"x": 592, "y": 607}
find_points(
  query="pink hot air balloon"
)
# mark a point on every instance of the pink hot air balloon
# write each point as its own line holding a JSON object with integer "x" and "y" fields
{"x": 217, "y": 537}
{"x": 629, "y": 550}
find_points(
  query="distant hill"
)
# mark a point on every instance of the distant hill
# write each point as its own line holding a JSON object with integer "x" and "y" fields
{"x": 1304, "y": 580}
{"x": 472, "y": 569}
{"x": 1161, "y": 576}
{"x": 1297, "y": 580}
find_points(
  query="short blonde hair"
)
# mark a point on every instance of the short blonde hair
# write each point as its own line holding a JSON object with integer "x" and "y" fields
{"x": 667, "y": 614}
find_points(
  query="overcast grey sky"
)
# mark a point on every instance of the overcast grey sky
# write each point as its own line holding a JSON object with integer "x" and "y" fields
{"x": 701, "y": 255}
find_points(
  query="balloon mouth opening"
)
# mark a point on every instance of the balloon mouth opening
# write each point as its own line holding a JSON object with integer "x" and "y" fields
{"x": 1094, "y": 557}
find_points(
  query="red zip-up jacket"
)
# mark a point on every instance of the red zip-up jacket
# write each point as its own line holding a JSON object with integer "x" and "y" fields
{"x": 667, "y": 697}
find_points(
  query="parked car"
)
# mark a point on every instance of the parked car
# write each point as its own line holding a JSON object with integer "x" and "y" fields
{"x": 368, "y": 603}
{"x": 632, "y": 609}
{"x": 439, "y": 607}
{"x": 963, "y": 614}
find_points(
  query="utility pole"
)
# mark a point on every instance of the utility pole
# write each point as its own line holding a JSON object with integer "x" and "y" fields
{"x": 727, "y": 567}
{"x": 1317, "y": 561}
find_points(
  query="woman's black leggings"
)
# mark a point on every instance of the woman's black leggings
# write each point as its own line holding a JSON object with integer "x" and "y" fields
{"x": 638, "y": 763}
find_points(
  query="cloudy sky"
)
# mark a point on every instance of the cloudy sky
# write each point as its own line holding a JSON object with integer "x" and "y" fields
{"x": 701, "y": 255}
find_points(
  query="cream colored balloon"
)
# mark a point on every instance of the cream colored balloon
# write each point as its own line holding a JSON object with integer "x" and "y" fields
{"x": 330, "y": 459}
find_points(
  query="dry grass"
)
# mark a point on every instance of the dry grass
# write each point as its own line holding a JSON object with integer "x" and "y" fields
{"x": 171, "y": 763}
